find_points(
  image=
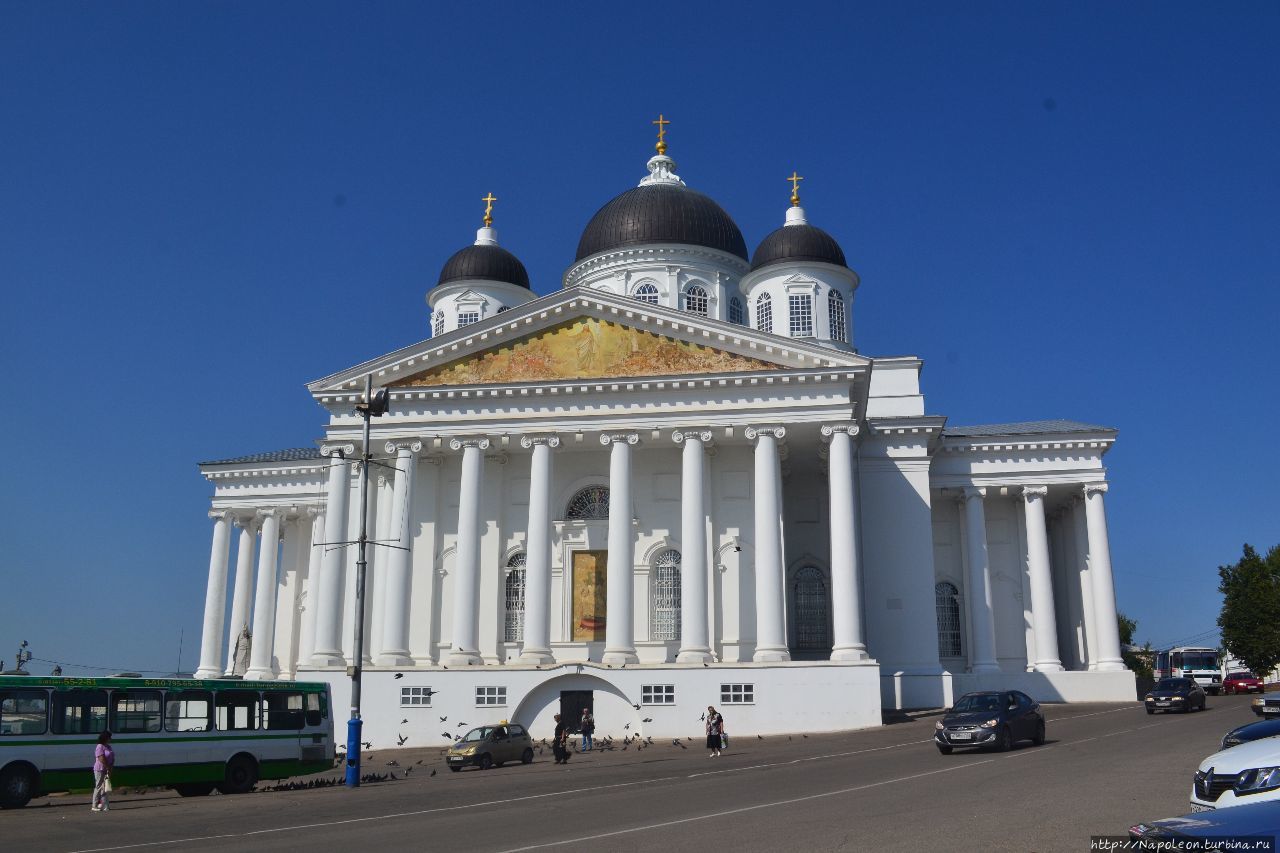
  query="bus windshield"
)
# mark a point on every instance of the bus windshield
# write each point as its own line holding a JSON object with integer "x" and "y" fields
{"x": 1199, "y": 660}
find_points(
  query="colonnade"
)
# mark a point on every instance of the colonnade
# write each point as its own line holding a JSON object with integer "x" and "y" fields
{"x": 320, "y": 629}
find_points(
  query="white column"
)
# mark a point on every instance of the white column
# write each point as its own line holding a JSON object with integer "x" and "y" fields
{"x": 377, "y": 554}
{"x": 329, "y": 585}
{"x": 695, "y": 641}
{"x": 466, "y": 586}
{"x": 846, "y": 581}
{"x": 315, "y": 553}
{"x": 264, "y": 605}
{"x": 1106, "y": 627}
{"x": 397, "y": 578}
{"x": 1043, "y": 613}
{"x": 619, "y": 628}
{"x": 771, "y": 630}
{"x": 242, "y": 591}
{"x": 1084, "y": 580}
{"x": 982, "y": 626}
{"x": 215, "y": 598}
{"x": 295, "y": 531}
{"x": 536, "y": 647}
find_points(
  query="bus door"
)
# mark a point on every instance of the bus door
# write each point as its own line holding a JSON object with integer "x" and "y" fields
{"x": 284, "y": 713}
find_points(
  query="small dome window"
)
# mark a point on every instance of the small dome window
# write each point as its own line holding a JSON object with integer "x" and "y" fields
{"x": 764, "y": 313}
{"x": 835, "y": 307}
{"x": 801, "y": 315}
{"x": 437, "y": 327}
{"x": 647, "y": 292}
{"x": 695, "y": 300}
{"x": 735, "y": 312}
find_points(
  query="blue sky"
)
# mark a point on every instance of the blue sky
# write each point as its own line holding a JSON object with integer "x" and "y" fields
{"x": 1067, "y": 209}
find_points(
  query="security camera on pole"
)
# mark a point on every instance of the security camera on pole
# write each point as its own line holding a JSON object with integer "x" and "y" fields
{"x": 374, "y": 406}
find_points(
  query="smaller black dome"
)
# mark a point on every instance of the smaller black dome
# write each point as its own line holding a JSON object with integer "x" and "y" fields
{"x": 486, "y": 262}
{"x": 798, "y": 243}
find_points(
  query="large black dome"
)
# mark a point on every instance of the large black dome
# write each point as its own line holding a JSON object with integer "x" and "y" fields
{"x": 798, "y": 243}
{"x": 661, "y": 213}
{"x": 486, "y": 262}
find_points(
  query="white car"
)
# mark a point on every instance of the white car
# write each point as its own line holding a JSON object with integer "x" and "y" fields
{"x": 1248, "y": 773}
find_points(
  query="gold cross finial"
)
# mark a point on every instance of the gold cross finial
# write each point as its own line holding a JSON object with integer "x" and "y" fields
{"x": 795, "y": 188}
{"x": 488, "y": 209}
{"x": 662, "y": 131}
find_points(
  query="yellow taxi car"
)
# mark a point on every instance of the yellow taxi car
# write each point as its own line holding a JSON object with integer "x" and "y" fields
{"x": 491, "y": 746}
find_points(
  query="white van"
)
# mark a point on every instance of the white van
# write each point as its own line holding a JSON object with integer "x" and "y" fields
{"x": 1248, "y": 773}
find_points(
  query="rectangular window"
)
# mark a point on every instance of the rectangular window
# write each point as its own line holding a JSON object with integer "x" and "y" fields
{"x": 237, "y": 710}
{"x": 315, "y": 710}
{"x": 282, "y": 711}
{"x": 737, "y": 694}
{"x": 135, "y": 711}
{"x": 658, "y": 694}
{"x": 839, "y": 328}
{"x": 24, "y": 712}
{"x": 801, "y": 315}
{"x": 466, "y": 318}
{"x": 79, "y": 712}
{"x": 415, "y": 697}
{"x": 188, "y": 711}
{"x": 486, "y": 696}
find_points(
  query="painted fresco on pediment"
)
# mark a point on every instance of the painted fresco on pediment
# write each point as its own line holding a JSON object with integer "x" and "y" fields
{"x": 587, "y": 348}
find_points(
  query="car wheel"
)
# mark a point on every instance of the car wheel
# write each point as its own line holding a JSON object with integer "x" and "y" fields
{"x": 17, "y": 786}
{"x": 242, "y": 775}
{"x": 486, "y": 761}
{"x": 527, "y": 756}
{"x": 455, "y": 769}
{"x": 945, "y": 750}
{"x": 1038, "y": 740}
{"x": 1151, "y": 710}
{"x": 194, "y": 789}
{"x": 1004, "y": 742}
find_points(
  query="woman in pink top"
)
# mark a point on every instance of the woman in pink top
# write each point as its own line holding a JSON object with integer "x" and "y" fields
{"x": 104, "y": 758}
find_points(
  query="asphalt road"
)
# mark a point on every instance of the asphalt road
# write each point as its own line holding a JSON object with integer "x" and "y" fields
{"x": 1104, "y": 768}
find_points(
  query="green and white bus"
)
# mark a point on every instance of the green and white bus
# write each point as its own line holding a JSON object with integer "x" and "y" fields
{"x": 193, "y": 735}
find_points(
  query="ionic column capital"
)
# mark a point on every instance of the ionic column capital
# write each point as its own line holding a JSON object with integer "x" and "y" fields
{"x": 1087, "y": 489}
{"x": 481, "y": 442}
{"x": 530, "y": 441}
{"x": 222, "y": 515}
{"x": 246, "y": 519}
{"x": 1030, "y": 493}
{"x": 753, "y": 432}
{"x": 680, "y": 435}
{"x": 342, "y": 449}
{"x": 413, "y": 445}
{"x": 971, "y": 492}
{"x": 608, "y": 438}
{"x": 849, "y": 429}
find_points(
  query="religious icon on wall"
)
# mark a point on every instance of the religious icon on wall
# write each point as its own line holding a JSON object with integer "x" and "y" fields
{"x": 589, "y": 594}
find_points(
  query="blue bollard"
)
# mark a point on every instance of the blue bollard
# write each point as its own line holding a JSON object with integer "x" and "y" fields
{"x": 353, "y": 752}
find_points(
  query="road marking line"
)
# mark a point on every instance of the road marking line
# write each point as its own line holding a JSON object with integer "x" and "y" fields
{"x": 743, "y": 809}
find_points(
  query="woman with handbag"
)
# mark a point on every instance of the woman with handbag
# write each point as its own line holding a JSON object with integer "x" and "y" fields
{"x": 715, "y": 731}
{"x": 104, "y": 759}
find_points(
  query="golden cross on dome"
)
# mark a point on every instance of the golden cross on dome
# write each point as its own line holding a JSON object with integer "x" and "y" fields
{"x": 488, "y": 209}
{"x": 662, "y": 131}
{"x": 795, "y": 180}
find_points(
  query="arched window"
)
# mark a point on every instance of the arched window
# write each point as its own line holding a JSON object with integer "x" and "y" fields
{"x": 764, "y": 313}
{"x": 812, "y": 609}
{"x": 695, "y": 299}
{"x": 438, "y": 321}
{"x": 948, "y": 601}
{"x": 736, "y": 314}
{"x": 515, "y": 599}
{"x": 589, "y": 504}
{"x": 664, "y": 597}
{"x": 835, "y": 306}
{"x": 801, "y": 315}
{"x": 647, "y": 292}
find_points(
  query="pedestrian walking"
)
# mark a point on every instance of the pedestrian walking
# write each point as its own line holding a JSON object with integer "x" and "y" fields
{"x": 587, "y": 727}
{"x": 560, "y": 743}
{"x": 104, "y": 759}
{"x": 715, "y": 732}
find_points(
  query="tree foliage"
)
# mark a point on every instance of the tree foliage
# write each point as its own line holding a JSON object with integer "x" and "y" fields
{"x": 1250, "y": 617}
{"x": 1138, "y": 662}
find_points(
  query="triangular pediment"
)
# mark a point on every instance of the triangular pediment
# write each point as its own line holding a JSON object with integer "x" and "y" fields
{"x": 573, "y": 335}
{"x": 586, "y": 348}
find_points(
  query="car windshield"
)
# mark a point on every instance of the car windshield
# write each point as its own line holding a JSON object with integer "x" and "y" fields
{"x": 1239, "y": 675}
{"x": 979, "y": 702}
{"x": 477, "y": 734}
{"x": 1171, "y": 684}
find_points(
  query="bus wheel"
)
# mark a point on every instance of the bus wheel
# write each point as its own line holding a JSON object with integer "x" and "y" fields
{"x": 194, "y": 789}
{"x": 242, "y": 775}
{"x": 17, "y": 786}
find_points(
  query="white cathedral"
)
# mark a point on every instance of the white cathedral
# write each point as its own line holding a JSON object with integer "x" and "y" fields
{"x": 673, "y": 483}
